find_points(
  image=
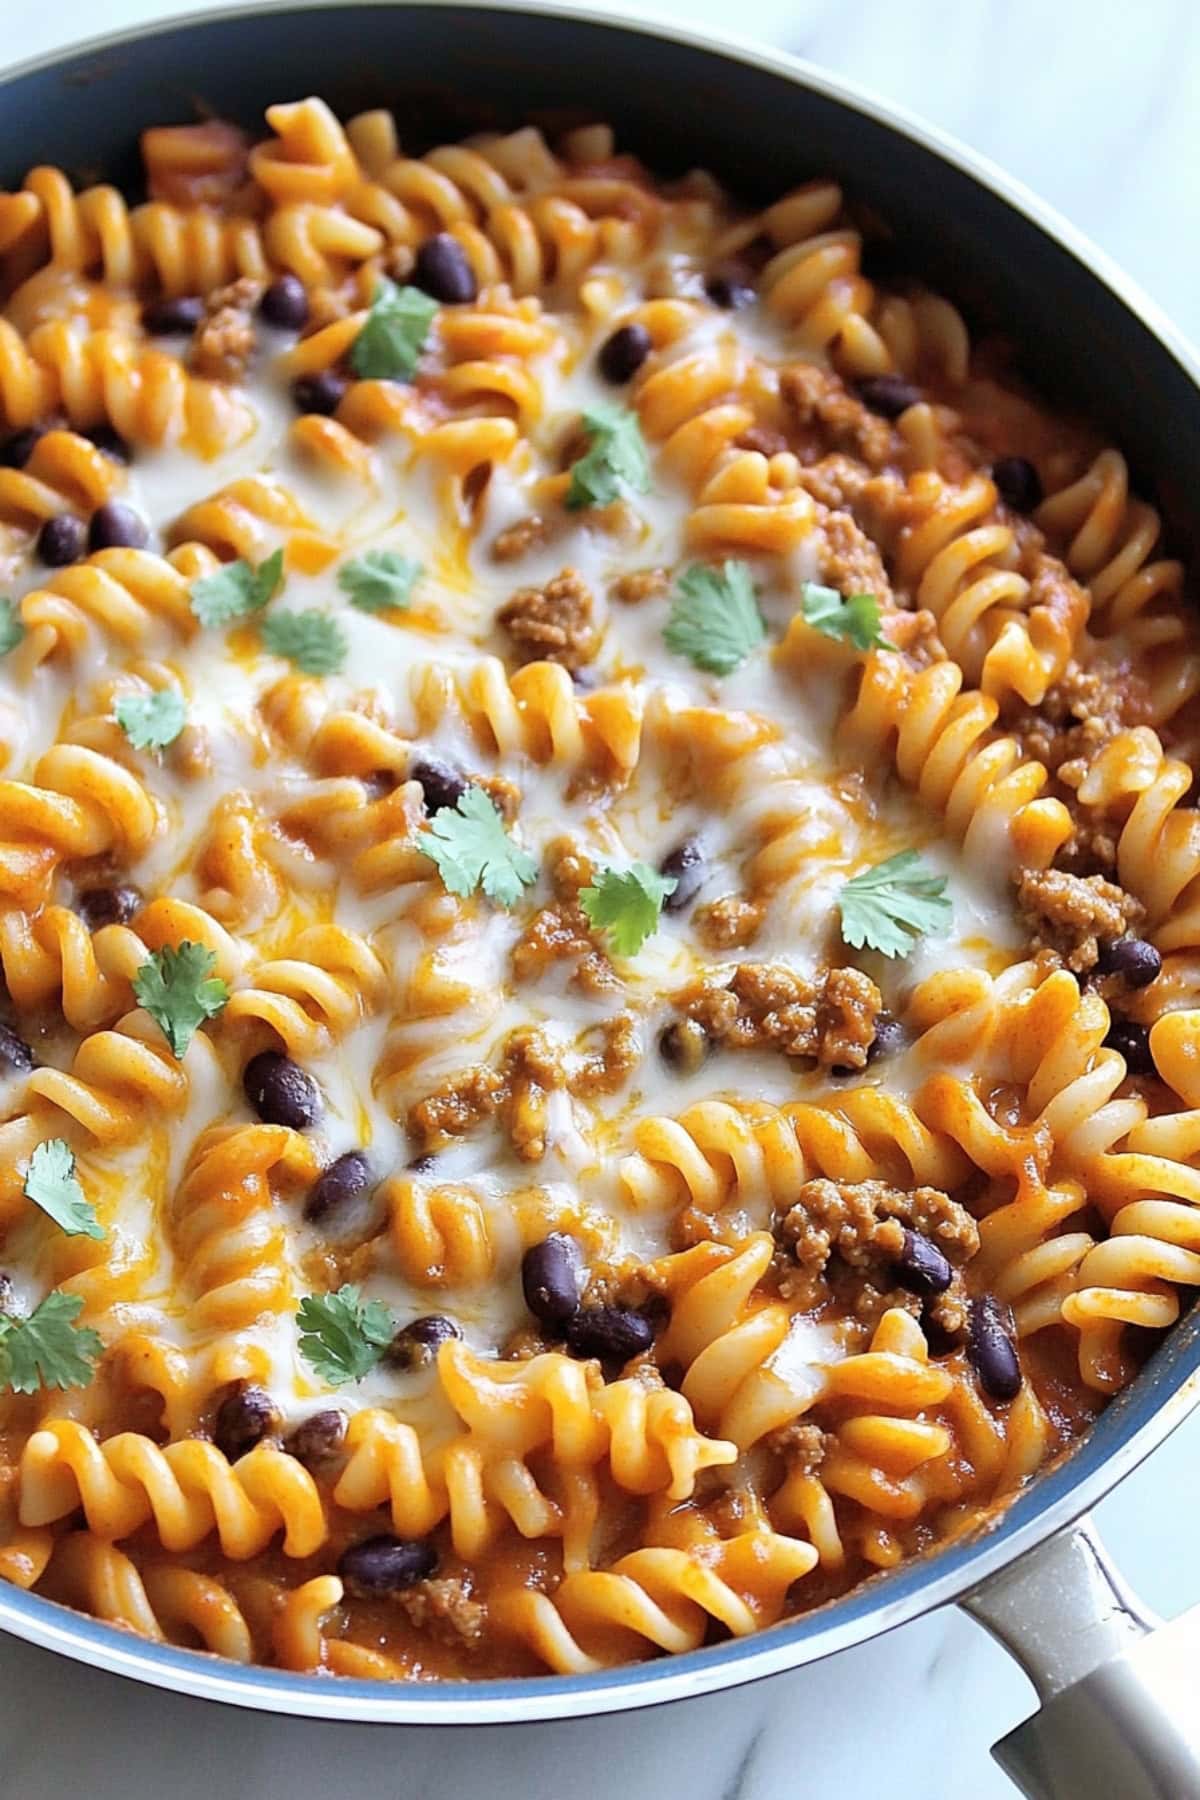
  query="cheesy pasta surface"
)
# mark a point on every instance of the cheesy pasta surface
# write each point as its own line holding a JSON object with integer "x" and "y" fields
{"x": 596, "y": 905}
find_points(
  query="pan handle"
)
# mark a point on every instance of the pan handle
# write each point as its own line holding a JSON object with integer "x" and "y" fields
{"x": 1119, "y": 1712}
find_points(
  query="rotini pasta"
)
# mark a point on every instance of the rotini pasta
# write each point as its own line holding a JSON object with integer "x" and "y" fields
{"x": 598, "y": 912}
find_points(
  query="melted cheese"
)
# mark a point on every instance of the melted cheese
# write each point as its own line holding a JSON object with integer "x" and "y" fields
{"x": 224, "y": 677}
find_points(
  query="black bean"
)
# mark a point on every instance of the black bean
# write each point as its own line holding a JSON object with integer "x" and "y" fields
{"x": 728, "y": 289}
{"x": 99, "y": 906}
{"x": 422, "y": 1165}
{"x": 551, "y": 1278}
{"x": 384, "y": 1565}
{"x": 683, "y": 1045}
{"x": 887, "y": 395}
{"x": 443, "y": 271}
{"x": 280, "y": 1092}
{"x": 174, "y": 315}
{"x": 890, "y": 1037}
{"x": 321, "y": 393}
{"x": 244, "y": 1418}
{"x": 61, "y": 541}
{"x": 992, "y": 1349}
{"x": 688, "y": 864}
{"x": 319, "y": 1439}
{"x": 110, "y": 443}
{"x": 920, "y": 1267}
{"x": 622, "y": 354}
{"x": 344, "y": 1179}
{"x": 440, "y": 784}
{"x": 1134, "y": 959}
{"x": 285, "y": 303}
{"x": 16, "y": 450}
{"x": 115, "y": 526}
{"x": 416, "y": 1346}
{"x": 613, "y": 1333}
{"x": 1132, "y": 1041}
{"x": 1018, "y": 483}
{"x": 14, "y": 1051}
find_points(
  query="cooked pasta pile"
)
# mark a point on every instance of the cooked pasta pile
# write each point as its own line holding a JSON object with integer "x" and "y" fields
{"x": 598, "y": 906}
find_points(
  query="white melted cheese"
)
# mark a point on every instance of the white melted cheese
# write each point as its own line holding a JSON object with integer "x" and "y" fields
{"x": 785, "y": 786}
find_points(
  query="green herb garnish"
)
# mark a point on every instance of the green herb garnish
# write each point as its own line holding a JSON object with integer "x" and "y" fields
{"x": 472, "y": 849}
{"x": 52, "y": 1184}
{"x": 626, "y": 903}
{"x": 151, "y": 721}
{"x": 389, "y": 345}
{"x": 313, "y": 641}
{"x": 237, "y": 590}
{"x": 615, "y": 460}
{"x": 855, "y": 618}
{"x": 341, "y": 1337}
{"x": 12, "y": 627}
{"x": 715, "y": 621}
{"x": 889, "y": 907}
{"x": 379, "y": 580}
{"x": 47, "y": 1349}
{"x": 178, "y": 991}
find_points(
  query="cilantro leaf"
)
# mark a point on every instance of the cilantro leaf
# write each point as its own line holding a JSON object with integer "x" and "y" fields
{"x": 379, "y": 579}
{"x": 715, "y": 621}
{"x": 237, "y": 590}
{"x": 151, "y": 721}
{"x": 47, "y": 1349}
{"x": 174, "y": 988}
{"x": 889, "y": 907}
{"x": 312, "y": 640}
{"x": 12, "y": 626}
{"x": 626, "y": 903}
{"x": 393, "y": 335}
{"x": 341, "y": 1337}
{"x": 614, "y": 460}
{"x": 52, "y": 1184}
{"x": 471, "y": 848}
{"x": 854, "y": 618}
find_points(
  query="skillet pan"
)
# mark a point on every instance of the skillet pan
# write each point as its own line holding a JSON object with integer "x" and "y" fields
{"x": 1116, "y": 1716}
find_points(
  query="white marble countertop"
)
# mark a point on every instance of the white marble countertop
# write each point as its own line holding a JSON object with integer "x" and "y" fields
{"x": 1092, "y": 103}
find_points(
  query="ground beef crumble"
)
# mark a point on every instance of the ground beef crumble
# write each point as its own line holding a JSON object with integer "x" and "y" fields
{"x": 1079, "y": 716}
{"x": 1053, "y": 591}
{"x": 846, "y": 1237}
{"x": 728, "y": 923}
{"x": 826, "y": 416}
{"x": 558, "y": 933}
{"x": 849, "y": 560}
{"x": 224, "y": 340}
{"x": 639, "y": 585}
{"x": 801, "y": 1444}
{"x": 554, "y": 623}
{"x": 457, "y": 1106}
{"x": 561, "y": 931}
{"x": 445, "y": 1607}
{"x": 1073, "y": 915}
{"x": 762, "y": 438}
{"x": 516, "y": 540}
{"x": 531, "y": 1066}
{"x": 830, "y": 1018}
{"x": 619, "y": 1284}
